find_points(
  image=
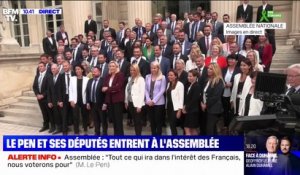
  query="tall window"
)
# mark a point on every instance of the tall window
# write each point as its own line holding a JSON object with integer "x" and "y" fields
{"x": 52, "y": 22}
{"x": 20, "y": 26}
{"x": 97, "y": 15}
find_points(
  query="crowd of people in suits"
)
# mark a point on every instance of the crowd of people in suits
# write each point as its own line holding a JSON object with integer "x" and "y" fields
{"x": 186, "y": 70}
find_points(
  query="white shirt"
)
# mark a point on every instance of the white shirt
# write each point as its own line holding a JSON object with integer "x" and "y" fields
{"x": 89, "y": 21}
{"x": 137, "y": 60}
{"x": 159, "y": 59}
{"x": 204, "y": 92}
{"x": 110, "y": 81}
{"x": 245, "y": 6}
{"x": 190, "y": 65}
{"x": 264, "y": 6}
{"x": 55, "y": 77}
{"x": 93, "y": 62}
{"x": 174, "y": 60}
{"x": 50, "y": 39}
{"x": 227, "y": 92}
{"x": 66, "y": 81}
{"x": 40, "y": 79}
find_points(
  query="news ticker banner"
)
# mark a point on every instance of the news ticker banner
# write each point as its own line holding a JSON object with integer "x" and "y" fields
{"x": 122, "y": 154}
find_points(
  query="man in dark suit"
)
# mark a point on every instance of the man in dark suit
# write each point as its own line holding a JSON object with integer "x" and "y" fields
{"x": 234, "y": 49}
{"x": 177, "y": 55}
{"x": 185, "y": 45}
{"x": 63, "y": 102}
{"x": 107, "y": 28}
{"x": 129, "y": 46}
{"x": 202, "y": 80}
{"x": 103, "y": 65}
{"x": 44, "y": 59}
{"x": 262, "y": 16}
{"x": 70, "y": 59}
{"x": 40, "y": 88}
{"x": 155, "y": 25}
{"x": 139, "y": 30}
{"x": 76, "y": 51}
{"x": 188, "y": 27}
{"x": 262, "y": 12}
{"x": 121, "y": 33}
{"x": 245, "y": 11}
{"x": 124, "y": 65}
{"x": 93, "y": 59}
{"x": 54, "y": 97}
{"x": 217, "y": 27}
{"x": 156, "y": 40}
{"x": 149, "y": 31}
{"x": 90, "y": 25}
{"x": 285, "y": 147}
{"x": 293, "y": 79}
{"x": 49, "y": 45}
{"x": 63, "y": 35}
{"x": 205, "y": 41}
{"x": 173, "y": 23}
{"x": 137, "y": 59}
{"x": 165, "y": 30}
{"x": 166, "y": 49}
{"x": 107, "y": 50}
{"x": 163, "y": 61}
{"x": 94, "y": 99}
{"x": 196, "y": 27}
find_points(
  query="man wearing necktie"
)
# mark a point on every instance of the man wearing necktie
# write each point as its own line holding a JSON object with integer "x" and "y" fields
{"x": 54, "y": 98}
{"x": 293, "y": 79}
{"x": 40, "y": 88}
{"x": 95, "y": 99}
{"x": 94, "y": 58}
{"x": 173, "y": 22}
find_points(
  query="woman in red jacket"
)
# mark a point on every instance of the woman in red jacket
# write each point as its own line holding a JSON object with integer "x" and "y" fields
{"x": 113, "y": 88}
{"x": 216, "y": 57}
{"x": 265, "y": 51}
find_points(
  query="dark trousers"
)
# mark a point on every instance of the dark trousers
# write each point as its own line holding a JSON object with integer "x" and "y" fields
{"x": 211, "y": 123}
{"x": 115, "y": 112}
{"x": 57, "y": 113}
{"x": 172, "y": 120}
{"x": 77, "y": 110}
{"x": 67, "y": 114}
{"x": 155, "y": 114}
{"x": 228, "y": 113}
{"x": 137, "y": 118}
{"x": 47, "y": 117}
{"x": 202, "y": 122}
{"x": 97, "y": 115}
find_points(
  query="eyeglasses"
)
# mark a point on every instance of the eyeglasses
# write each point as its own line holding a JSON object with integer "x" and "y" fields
{"x": 292, "y": 76}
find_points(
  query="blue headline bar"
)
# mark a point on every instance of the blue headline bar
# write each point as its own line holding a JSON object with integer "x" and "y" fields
{"x": 122, "y": 143}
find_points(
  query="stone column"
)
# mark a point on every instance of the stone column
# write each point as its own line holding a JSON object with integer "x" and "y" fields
{"x": 75, "y": 13}
{"x": 36, "y": 33}
{"x": 139, "y": 9}
{"x": 225, "y": 7}
{"x": 8, "y": 43}
{"x": 295, "y": 33}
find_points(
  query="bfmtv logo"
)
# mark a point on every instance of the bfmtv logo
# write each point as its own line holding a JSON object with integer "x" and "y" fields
{"x": 10, "y": 14}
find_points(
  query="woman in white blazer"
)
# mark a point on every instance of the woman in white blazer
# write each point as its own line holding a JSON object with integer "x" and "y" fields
{"x": 174, "y": 99}
{"x": 77, "y": 98}
{"x": 251, "y": 105}
{"x": 241, "y": 86}
{"x": 135, "y": 96}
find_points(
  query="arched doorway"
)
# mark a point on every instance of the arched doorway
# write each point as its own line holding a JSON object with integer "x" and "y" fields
{"x": 178, "y": 7}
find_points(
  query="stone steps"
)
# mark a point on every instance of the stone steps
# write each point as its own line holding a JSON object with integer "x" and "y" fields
{"x": 26, "y": 112}
{"x": 285, "y": 56}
